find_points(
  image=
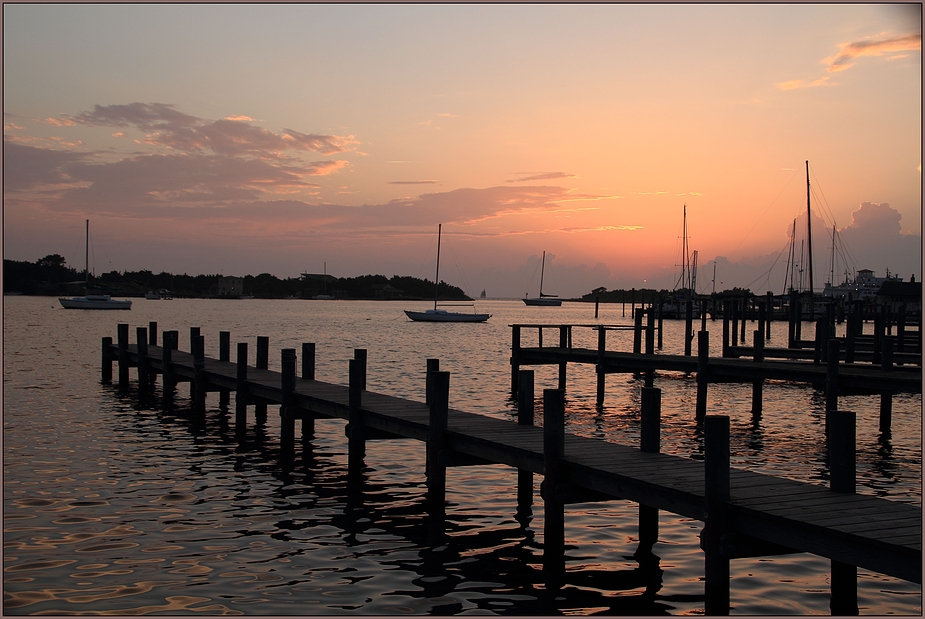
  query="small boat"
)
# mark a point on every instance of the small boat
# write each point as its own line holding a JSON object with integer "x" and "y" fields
{"x": 544, "y": 300}
{"x": 442, "y": 315}
{"x": 93, "y": 301}
{"x": 154, "y": 295}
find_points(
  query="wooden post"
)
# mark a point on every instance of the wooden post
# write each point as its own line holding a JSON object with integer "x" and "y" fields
{"x": 106, "y": 362}
{"x": 819, "y": 342}
{"x": 651, "y": 420}
{"x": 831, "y": 378}
{"x": 734, "y": 309}
{"x": 360, "y": 355}
{"x": 515, "y": 361}
{"x": 637, "y": 333}
{"x": 122, "y": 335}
{"x": 650, "y": 331}
{"x": 563, "y": 343}
{"x": 287, "y": 407}
{"x": 758, "y": 383}
{"x": 727, "y": 311}
{"x": 661, "y": 322}
{"x": 525, "y": 416}
{"x": 649, "y": 442}
{"x": 878, "y": 337}
{"x": 199, "y": 381}
{"x": 886, "y": 358}
{"x": 436, "y": 443}
{"x": 688, "y": 327}
{"x": 901, "y": 329}
{"x": 308, "y": 373}
{"x": 141, "y": 337}
{"x": 716, "y": 467}
{"x": 597, "y": 303}
{"x": 851, "y": 331}
{"x": 553, "y": 506}
{"x": 308, "y": 360}
{"x": 770, "y": 316}
{"x": 703, "y": 357}
{"x": 240, "y": 393}
{"x": 152, "y": 333}
{"x": 170, "y": 344}
{"x": 224, "y": 354}
{"x": 433, "y": 365}
{"x": 356, "y": 443}
{"x": 601, "y": 349}
{"x": 842, "y": 466}
{"x": 744, "y": 316}
{"x": 262, "y": 363}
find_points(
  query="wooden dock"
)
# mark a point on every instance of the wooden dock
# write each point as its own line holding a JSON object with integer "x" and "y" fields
{"x": 745, "y": 514}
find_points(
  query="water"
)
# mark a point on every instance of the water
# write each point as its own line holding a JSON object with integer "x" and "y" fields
{"x": 111, "y": 507}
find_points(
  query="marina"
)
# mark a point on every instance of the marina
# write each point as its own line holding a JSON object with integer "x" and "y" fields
{"x": 411, "y": 419}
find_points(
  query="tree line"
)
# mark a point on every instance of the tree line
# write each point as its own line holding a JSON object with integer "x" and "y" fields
{"x": 52, "y": 276}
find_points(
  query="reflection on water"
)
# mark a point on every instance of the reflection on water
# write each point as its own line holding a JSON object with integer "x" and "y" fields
{"x": 117, "y": 506}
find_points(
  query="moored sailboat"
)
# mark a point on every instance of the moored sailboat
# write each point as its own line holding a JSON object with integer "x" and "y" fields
{"x": 545, "y": 300}
{"x": 442, "y": 315}
{"x": 93, "y": 301}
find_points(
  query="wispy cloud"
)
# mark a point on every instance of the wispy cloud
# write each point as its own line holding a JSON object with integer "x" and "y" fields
{"x": 892, "y": 47}
{"x": 872, "y": 47}
{"x": 547, "y": 176}
{"x": 427, "y": 182}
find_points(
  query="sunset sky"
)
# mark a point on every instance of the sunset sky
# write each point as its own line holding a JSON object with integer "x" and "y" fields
{"x": 241, "y": 139}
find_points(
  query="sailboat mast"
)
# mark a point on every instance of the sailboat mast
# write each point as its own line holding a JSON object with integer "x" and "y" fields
{"x": 542, "y": 273}
{"x": 437, "y": 275}
{"x": 809, "y": 231}
{"x": 832, "y": 275}
{"x": 87, "y": 260}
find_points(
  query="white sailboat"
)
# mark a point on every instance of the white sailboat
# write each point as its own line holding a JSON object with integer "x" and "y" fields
{"x": 442, "y": 315}
{"x": 93, "y": 301}
{"x": 545, "y": 300}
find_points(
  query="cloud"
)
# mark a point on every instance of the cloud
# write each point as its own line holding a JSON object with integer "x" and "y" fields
{"x": 794, "y": 84}
{"x": 872, "y": 47}
{"x": 543, "y": 177}
{"x": 844, "y": 59}
{"x": 164, "y": 125}
{"x": 412, "y": 182}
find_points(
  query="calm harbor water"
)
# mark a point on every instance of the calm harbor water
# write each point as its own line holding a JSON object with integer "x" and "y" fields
{"x": 111, "y": 507}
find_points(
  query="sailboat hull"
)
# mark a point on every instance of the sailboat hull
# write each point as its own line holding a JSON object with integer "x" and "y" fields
{"x": 439, "y": 315}
{"x": 543, "y": 302}
{"x": 100, "y": 302}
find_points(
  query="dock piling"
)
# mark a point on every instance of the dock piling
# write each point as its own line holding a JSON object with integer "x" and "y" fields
{"x": 842, "y": 467}
{"x": 240, "y": 392}
{"x": 141, "y": 339}
{"x": 106, "y": 362}
{"x": 716, "y": 467}
{"x": 356, "y": 443}
{"x": 436, "y": 442}
{"x": 703, "y": 357}
{"x": 122, "y": 339}
{"x": 224, "y": 354}
{"x": 525, "y": 417}
{"x": 287, "y": 407}
{"x": 601, "y": 375}
{"x": 308, "y": 360}
{"x": 262, "y": 363}
{"x": 553, "y": 505}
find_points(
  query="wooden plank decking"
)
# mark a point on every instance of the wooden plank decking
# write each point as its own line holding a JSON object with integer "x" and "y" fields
{"x": 869, "y": 532}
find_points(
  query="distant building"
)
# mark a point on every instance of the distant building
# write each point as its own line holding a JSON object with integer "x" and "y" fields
{"x": 387, "y": 291}
{"x": 231, "y": 286}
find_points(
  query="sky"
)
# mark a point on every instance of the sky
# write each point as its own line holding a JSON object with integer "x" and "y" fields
{"x": 249, "y": 138}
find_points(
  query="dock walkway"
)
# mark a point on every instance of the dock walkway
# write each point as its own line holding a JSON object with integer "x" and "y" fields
{"x": 757, "y": 514}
